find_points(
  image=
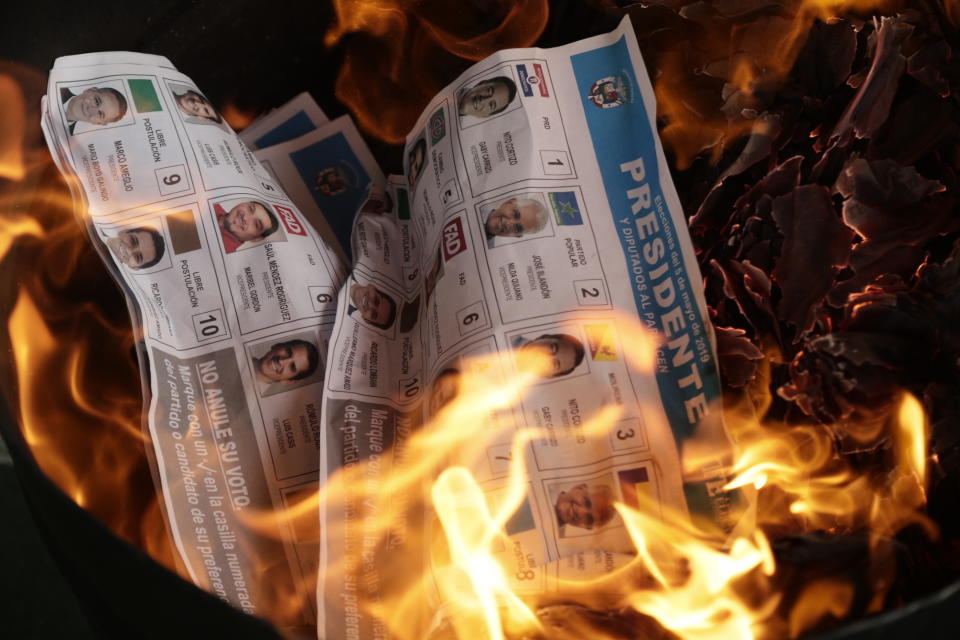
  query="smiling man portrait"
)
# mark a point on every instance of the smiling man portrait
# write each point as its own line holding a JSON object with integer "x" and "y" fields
{"x": 287, "y": 362}
{"x": 138, "y": 247}
{"x": 245, "y": 224}
{"x": 515, "y": 217}
{"x": 585, "y": 506}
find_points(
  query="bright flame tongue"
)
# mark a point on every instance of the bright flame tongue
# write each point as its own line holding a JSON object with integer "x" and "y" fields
{"x": 695, "y": 595}
{"x": 473, "y": 580}
{"x": 697, "y": 585}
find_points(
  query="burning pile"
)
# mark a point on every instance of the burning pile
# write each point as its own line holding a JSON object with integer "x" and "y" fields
{"x": 815, "y": 149}
{"x": 818, "y": 158}
{"x": 816, "y": 152}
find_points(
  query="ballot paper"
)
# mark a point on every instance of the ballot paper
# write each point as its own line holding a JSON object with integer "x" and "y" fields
{"x": 536, "y": 211}
{"x": 292, "y": 120}
{"x": 327, "y": 172}
{"x": 323, "y": 166}
{"x": 234, "y": 295}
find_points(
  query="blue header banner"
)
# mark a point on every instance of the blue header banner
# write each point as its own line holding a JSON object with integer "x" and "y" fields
{"x": 625, "y": 147}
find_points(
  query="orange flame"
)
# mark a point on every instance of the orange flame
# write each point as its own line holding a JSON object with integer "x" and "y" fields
{"x": 78, "y": 392}
{"x": 698, "y": 585}
{"x": 81, "y": 419}
{"x": 952, "y": 9}
{"x": 237, "y": 118}
{"x": 12, "y": 126}
{"x": 757, "y": 52}
{"x": 80, "y": 406}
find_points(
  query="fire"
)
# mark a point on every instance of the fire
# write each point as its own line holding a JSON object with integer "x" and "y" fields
{"x": 80, "y": 419}
{"x": 80, "y": 405}
{"x": 751, "y": 50}
{"x": 695, "y": 594}
{"x": 697, "y": 584}
{"x": 952, "y": 9}
{"x": 389, "y": 43}
{"x": 476, "y": 584}
{"x": 12, "y": 127}
{"x": 236, "y": 117}
{"x": 912, "y": 434}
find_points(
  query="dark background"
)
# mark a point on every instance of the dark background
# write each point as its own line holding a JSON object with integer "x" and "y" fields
{"x": 253, "y": 54}
{"x": 62, "y": 575}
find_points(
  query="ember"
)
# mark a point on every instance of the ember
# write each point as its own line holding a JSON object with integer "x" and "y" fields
{"x": 815, "y": 148}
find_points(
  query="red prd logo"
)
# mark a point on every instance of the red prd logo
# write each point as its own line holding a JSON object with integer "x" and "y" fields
{"x": 541, "y": 81}
{"x": 454, "y": 241}
{"x": 290, "y": 221}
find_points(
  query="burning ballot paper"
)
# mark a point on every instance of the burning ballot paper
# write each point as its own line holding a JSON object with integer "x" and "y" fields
{"x": 327, "y": 172}
{"x": 233, "y": 293}
{"x": 522, "y": 345}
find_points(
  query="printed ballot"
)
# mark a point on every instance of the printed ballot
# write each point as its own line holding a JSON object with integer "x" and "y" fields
{"x": 233, "y": 291}
{"x": 536, "y": 214}
{"x": 301, "y": 315}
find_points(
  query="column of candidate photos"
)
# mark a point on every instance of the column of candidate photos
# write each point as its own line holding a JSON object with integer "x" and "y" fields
{"x": 327, "y": 169}
{"x": 450, "y": 269}
{"x": 489, "y": 249}
{"x": 234, "y": 290}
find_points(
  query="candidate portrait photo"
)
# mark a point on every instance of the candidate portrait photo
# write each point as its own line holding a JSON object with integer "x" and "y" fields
{"x": 87, "y": 108}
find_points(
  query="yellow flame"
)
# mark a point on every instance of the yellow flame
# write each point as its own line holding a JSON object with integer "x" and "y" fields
{"x": 699, "y": 585}
{"x": 766, "y": 54}
{"x": 911, "y": 435}
{"x": 13, "y": 119}
{"x": 474, "y": 580}
{"x": 819, "y": 598}
{"x": 76, "y": 393}
{"x": 14, "y": 227}
{"x": 26, "y": 353}
{"x": 695, "y": 598}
